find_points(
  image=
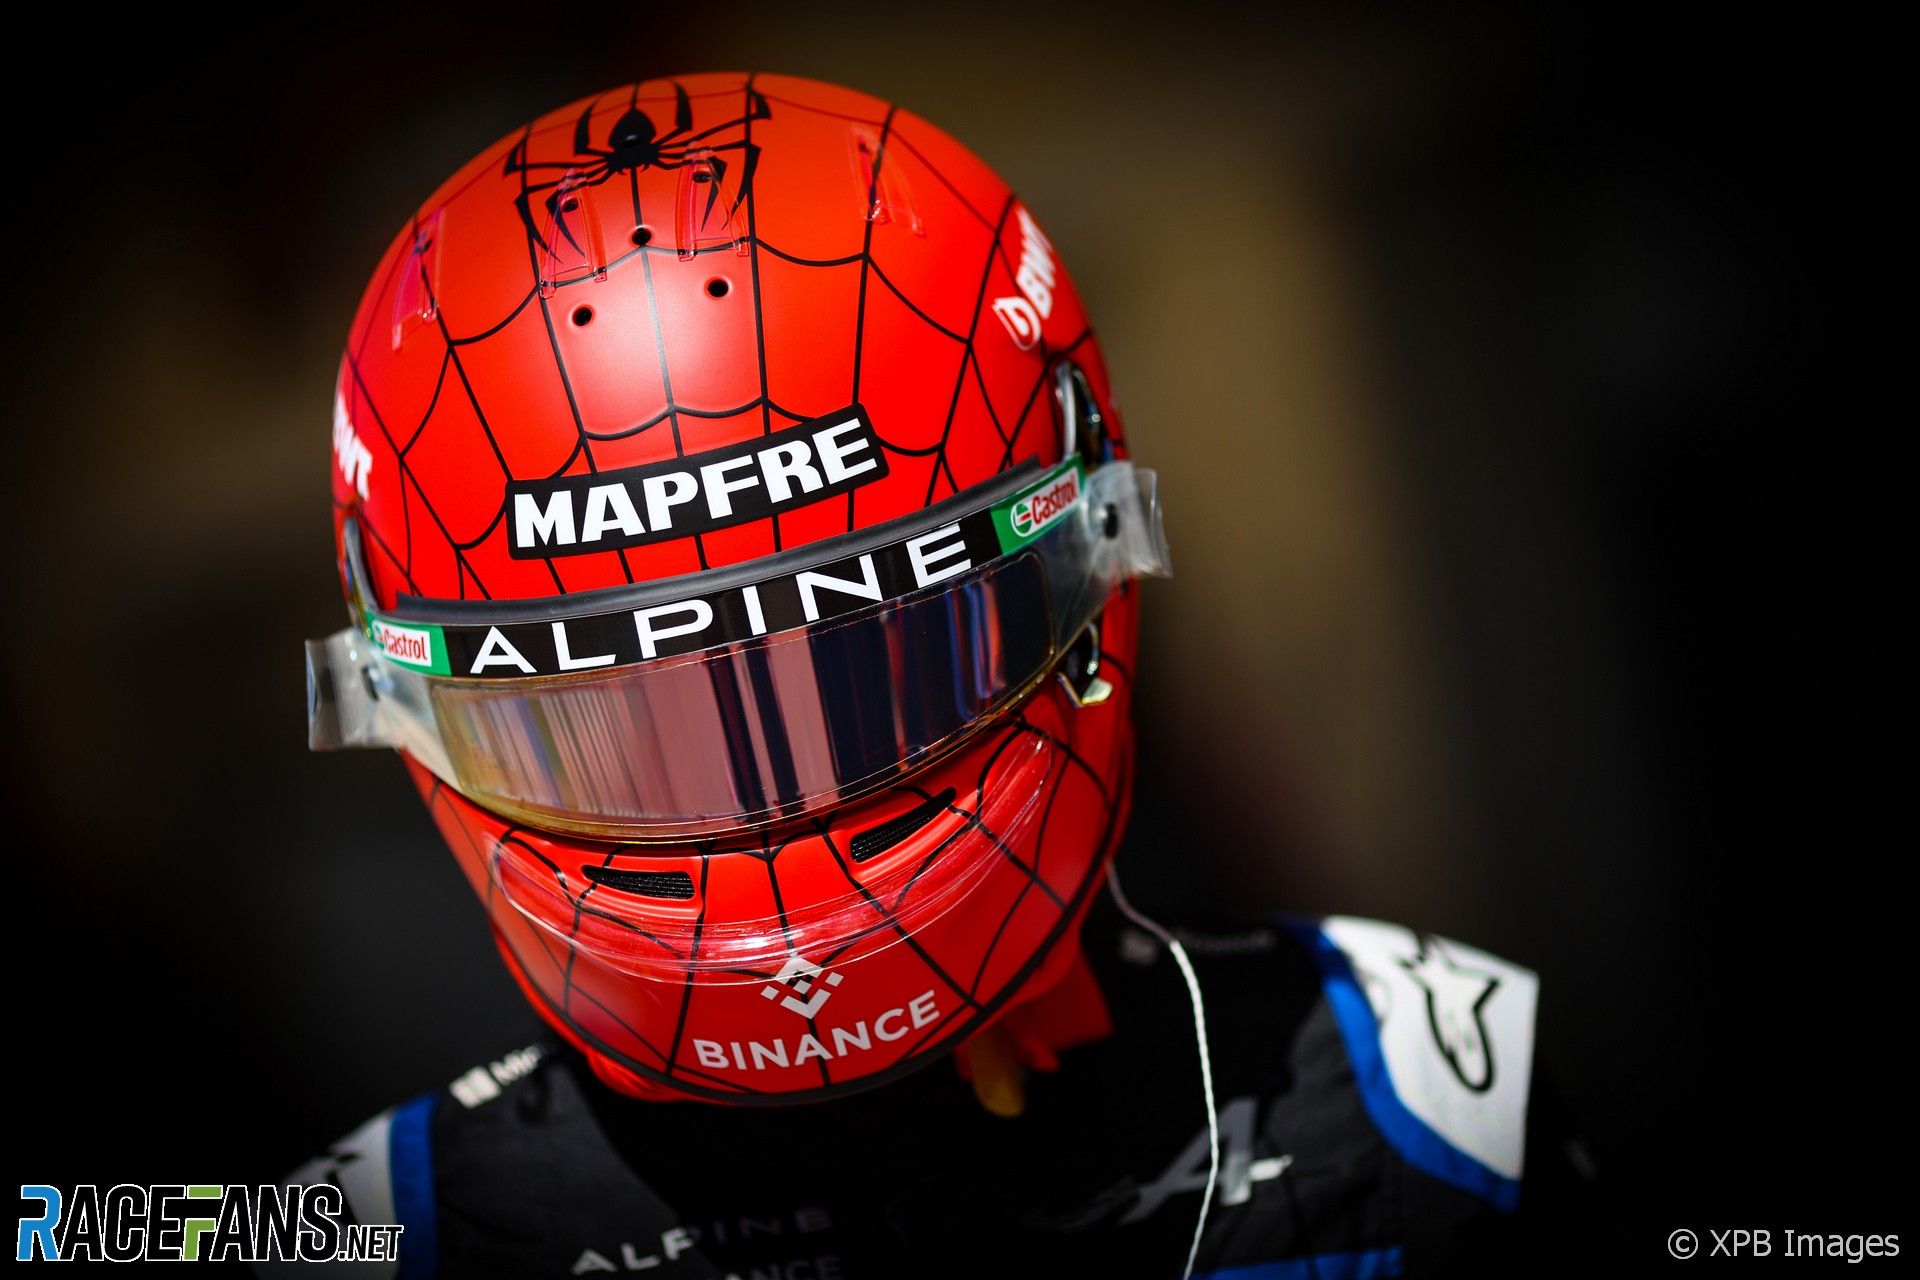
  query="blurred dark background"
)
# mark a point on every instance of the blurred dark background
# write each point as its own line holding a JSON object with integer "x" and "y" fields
{"x": 1506, "y": 371}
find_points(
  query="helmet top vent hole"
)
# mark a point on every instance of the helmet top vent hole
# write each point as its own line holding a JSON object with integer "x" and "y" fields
{"x": 875, "y": 841}
{"x": 570, "y": 204}
{"x": 717, "y": 287}
{"x": 582, "y": 314}
{"x": 641, "y": 235}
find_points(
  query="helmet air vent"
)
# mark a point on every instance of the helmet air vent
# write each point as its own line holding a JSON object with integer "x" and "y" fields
{"x": 883, "y": 190}
{"x": 677, "y": 885}
{"x": 575, "y": 249}
{"x": 416, "y": 294}
{"x": 708, "y": 213}
{"x": 875, "y": 841}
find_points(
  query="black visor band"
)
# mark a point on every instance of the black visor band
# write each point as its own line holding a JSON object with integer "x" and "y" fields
{"x": 622, "y": 626}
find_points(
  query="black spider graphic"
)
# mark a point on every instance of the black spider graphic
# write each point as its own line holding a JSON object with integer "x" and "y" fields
{"x": 632, "y": 144}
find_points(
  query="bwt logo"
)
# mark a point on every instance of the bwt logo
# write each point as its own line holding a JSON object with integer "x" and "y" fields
{"x": 187, "y": 1223}
{"x": 803, "y": 977}
{"x": 1023, "y": 312}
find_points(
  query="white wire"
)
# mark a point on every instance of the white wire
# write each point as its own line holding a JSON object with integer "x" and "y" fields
{"x": 1179, "y": 954}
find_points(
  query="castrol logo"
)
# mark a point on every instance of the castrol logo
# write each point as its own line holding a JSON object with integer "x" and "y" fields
{"x": 404, "y": 644}
{"x": 1036, "y": 511}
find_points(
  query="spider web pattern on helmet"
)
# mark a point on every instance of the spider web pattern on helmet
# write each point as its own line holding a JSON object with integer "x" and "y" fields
{"x": 560, "y": 366}
{"x": 457, "y": 428}
{"x": 535, "y": 951}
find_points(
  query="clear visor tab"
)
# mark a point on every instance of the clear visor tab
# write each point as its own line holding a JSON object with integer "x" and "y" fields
{"x": 771, "y": 726}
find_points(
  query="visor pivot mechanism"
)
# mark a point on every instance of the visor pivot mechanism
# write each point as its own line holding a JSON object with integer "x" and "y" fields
{"x": 1080, "y": 669}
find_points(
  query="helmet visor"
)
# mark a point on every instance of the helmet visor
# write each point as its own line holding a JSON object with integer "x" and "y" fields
{"x": 899, "y": 653}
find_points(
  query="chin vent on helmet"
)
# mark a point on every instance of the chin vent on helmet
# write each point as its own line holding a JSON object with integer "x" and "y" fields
{"x": 645, "y": 884}
{"x": 877, "y": 840}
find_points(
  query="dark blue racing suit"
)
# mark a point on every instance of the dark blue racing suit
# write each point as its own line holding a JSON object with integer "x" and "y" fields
{"x": 1372, "y": 1087}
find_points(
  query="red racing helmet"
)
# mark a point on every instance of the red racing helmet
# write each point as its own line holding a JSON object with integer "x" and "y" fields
{"x": 741, "y": 547}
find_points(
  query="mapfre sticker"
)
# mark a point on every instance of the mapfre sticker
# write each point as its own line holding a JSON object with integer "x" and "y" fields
{"x": 752, "y": 480}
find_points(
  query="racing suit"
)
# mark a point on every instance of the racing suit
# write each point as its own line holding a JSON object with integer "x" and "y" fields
{"x": 1371, "y": 1085}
